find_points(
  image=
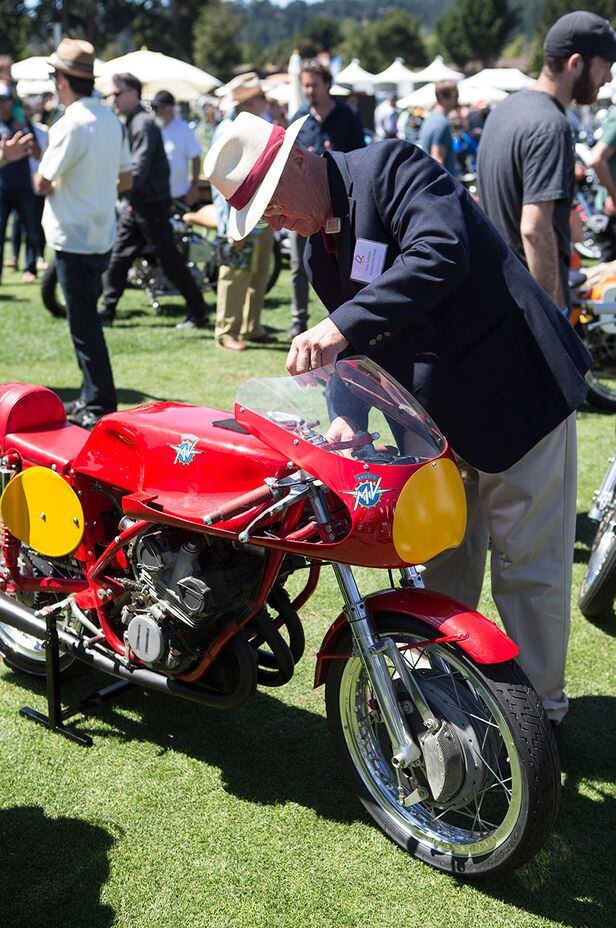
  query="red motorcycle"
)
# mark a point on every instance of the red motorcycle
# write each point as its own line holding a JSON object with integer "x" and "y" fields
{"x": 161, "y": 543}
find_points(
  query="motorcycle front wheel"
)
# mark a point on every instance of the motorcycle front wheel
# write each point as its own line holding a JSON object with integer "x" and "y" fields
{"x": 598, "y": 589}
{"x": 503, "y": 803}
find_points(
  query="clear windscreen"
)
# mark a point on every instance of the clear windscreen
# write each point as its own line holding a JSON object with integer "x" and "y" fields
{"x": 351, "y": 407}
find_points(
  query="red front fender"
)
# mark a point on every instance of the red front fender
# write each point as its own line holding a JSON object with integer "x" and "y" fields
{"x": 479, "y": 637}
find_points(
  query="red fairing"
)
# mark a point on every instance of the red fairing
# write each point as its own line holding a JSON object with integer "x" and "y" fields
{"x": 479, "y": 637}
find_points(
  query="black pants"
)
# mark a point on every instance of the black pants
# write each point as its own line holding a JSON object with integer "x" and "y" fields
{"x": 136, "y": 227}
{"x": 80, "y": 277}
{"x": 607, "y": 242}
{"x": 23, "y": 202}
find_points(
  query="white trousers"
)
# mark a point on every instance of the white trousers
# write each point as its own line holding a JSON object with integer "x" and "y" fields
{"x": 528, "y": 512}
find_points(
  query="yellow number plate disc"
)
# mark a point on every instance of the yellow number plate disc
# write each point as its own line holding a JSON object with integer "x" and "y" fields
{"x": 430, "y": 514}
{"x": 43, "y": 511}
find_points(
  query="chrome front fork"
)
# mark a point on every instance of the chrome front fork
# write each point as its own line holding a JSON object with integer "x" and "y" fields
{"x": 373, "y": 650}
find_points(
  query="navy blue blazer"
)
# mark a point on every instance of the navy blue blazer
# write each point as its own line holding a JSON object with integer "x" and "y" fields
{"x": 454, "y": 316}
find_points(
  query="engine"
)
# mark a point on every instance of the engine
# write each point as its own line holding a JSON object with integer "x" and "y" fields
{"x": 186, "y": 587}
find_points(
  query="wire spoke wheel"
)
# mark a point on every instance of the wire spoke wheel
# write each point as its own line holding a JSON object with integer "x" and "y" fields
{"x": 599, "y": 584}
{"x": 485, "y": 821}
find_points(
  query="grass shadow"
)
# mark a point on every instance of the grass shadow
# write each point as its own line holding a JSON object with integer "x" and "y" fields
{"x": 52, "y": 870}
{"x": 268, "y": 752}
{"x": 585, "y": 531}
{"x": 571, "y": 882}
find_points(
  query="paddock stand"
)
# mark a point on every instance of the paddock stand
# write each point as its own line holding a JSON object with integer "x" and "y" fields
{"x": 56, "y": 715}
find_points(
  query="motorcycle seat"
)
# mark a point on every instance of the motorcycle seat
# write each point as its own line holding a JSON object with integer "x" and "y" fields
{"x": 33, "y": 423}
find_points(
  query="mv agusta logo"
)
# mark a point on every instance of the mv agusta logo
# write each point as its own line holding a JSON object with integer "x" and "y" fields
{"x": 186, "y": 452}
{"x": 368, "y": 491}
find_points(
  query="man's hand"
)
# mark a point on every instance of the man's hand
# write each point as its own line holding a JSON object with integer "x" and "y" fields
{"x": 315, "y": 348}
{"x": 609, "y": 207}
{"x": 18, "y": 147}
{"x": 341, "y": 429}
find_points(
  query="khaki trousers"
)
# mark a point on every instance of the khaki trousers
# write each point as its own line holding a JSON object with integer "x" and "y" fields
{"x": 240, "y": 293}
{"x": 528, "y": 512}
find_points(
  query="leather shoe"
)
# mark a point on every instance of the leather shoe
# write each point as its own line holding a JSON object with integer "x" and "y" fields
{"x": 296, "y": 330}
{"x": 264, "y": 339}
{"x": 231, "y": 344}
{"x": 107, "y": 315}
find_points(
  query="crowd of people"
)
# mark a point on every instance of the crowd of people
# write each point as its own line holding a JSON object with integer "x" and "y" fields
{"x": 463, "y": 305}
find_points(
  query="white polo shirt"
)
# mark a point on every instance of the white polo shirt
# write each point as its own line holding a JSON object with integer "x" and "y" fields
{"x": 181, "y": 147}
{"x": 87, "y": 150}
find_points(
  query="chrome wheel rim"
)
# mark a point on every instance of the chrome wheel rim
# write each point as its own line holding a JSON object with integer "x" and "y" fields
{"x": 458, "y": 832}
{"x": 600, "y": 551}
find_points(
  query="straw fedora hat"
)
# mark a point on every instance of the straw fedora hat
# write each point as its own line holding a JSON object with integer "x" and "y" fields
{"x": 74, "y": 57}
{"x": 245, "y": 164}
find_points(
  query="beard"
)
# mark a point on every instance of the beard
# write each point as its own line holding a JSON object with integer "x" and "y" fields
{"x": 584, "y": 90}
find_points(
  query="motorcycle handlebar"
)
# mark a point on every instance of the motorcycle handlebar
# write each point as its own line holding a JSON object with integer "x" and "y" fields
{"x": 240, "y": 504}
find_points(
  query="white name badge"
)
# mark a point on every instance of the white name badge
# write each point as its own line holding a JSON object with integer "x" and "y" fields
{"x": 368, "y": 260}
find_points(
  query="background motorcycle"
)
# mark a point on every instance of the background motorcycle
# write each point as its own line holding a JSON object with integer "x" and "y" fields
{"x": 203, "y": 254}
{"x": 163, "y": 541}
{"x": 593, "y": 316}
{"x": 598, "y": 590}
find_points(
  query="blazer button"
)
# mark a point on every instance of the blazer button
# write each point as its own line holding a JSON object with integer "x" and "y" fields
{"x": 379, "y": 337}
{"x": 386, "y": 334}
{"x": 372, "y": 341}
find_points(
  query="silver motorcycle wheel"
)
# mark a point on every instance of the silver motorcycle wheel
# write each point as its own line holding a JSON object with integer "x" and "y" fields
{"x": 483, "y": 827}
{"x": 24, "y": 652}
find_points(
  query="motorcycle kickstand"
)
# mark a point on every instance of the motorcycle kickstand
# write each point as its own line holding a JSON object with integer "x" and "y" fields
{"x": 56, "y": 715}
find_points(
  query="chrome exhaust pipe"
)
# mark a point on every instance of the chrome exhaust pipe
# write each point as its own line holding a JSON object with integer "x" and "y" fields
{"x": 24, "y": 619}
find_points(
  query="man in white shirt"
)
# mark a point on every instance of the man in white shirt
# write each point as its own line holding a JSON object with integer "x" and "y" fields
{"x": 86, "y": 164}
{"x": 181, "y": 147}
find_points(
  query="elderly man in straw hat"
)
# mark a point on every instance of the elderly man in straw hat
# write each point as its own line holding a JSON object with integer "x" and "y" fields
{"x": 415, "y": 276}
{"x": 242, "y": 279}
{"x": 86, "y": 164}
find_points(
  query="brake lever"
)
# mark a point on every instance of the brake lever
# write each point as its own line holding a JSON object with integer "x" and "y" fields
{"x": 297, "y": 491}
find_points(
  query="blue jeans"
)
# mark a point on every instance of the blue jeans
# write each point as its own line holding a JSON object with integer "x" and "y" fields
{"x": 80, "y": 277}
{"x": 23, "y": 202}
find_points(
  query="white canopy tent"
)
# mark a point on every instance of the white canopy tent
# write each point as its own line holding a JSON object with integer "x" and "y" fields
{"x": 159, "y": 72}
{"x": 33, "y": 75}
{"x": 437, "y": 71}
{"x": 507, "y": 79}
{"x": 296, "y": 95}
{"x": 469, "y": 95}
{"x": 356, "y": 77}
{"x": 397, "y": 76}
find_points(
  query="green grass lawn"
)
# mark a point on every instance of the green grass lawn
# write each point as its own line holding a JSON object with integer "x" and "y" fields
{"x": 182, "y": 816}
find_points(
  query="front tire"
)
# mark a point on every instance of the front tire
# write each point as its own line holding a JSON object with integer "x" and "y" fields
{"x": 599, "y": 584}
{"x": 507, "y": 799}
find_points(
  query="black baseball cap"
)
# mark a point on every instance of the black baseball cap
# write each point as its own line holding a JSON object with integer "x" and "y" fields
{"x": 163, "y": 98}
{"x": 581, "y": 32}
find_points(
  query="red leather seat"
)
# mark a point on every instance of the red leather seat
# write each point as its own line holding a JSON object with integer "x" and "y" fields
{"x": 33, "y": 422}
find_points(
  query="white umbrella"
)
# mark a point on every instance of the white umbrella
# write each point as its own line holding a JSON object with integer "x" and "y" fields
{"x": 356, "y": 77}
{"x": 296, "y": 94}
{"x": 437, "y": 71}
{"x": 508, "y": 79}
{"x": 36, "y": 68}
{"x": 33, "y": 88}
{"x": 470, "y": 94}
{"x": 423, "y": 97}
{"x": 159, "y": 72}
{"x": 396, "y": 75}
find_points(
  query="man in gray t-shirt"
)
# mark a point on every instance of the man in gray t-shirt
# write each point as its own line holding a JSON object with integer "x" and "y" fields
{"x": 435, "y": 134}
{"x": 525, "y": 161}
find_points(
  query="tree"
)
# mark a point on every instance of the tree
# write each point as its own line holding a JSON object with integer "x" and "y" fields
{"x": 214, "y": 43}
{"x": 477, "y": 30}
{"x": 554, "y": 9}
{"x": 324, "y": 32}
{"x": 377, "y": 44}
{"x": 14, "y": 19}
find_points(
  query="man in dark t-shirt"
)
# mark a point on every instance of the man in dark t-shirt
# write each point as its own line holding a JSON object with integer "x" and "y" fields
{"x": 332, "y": 125}
{"x": 525, "y": 162}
